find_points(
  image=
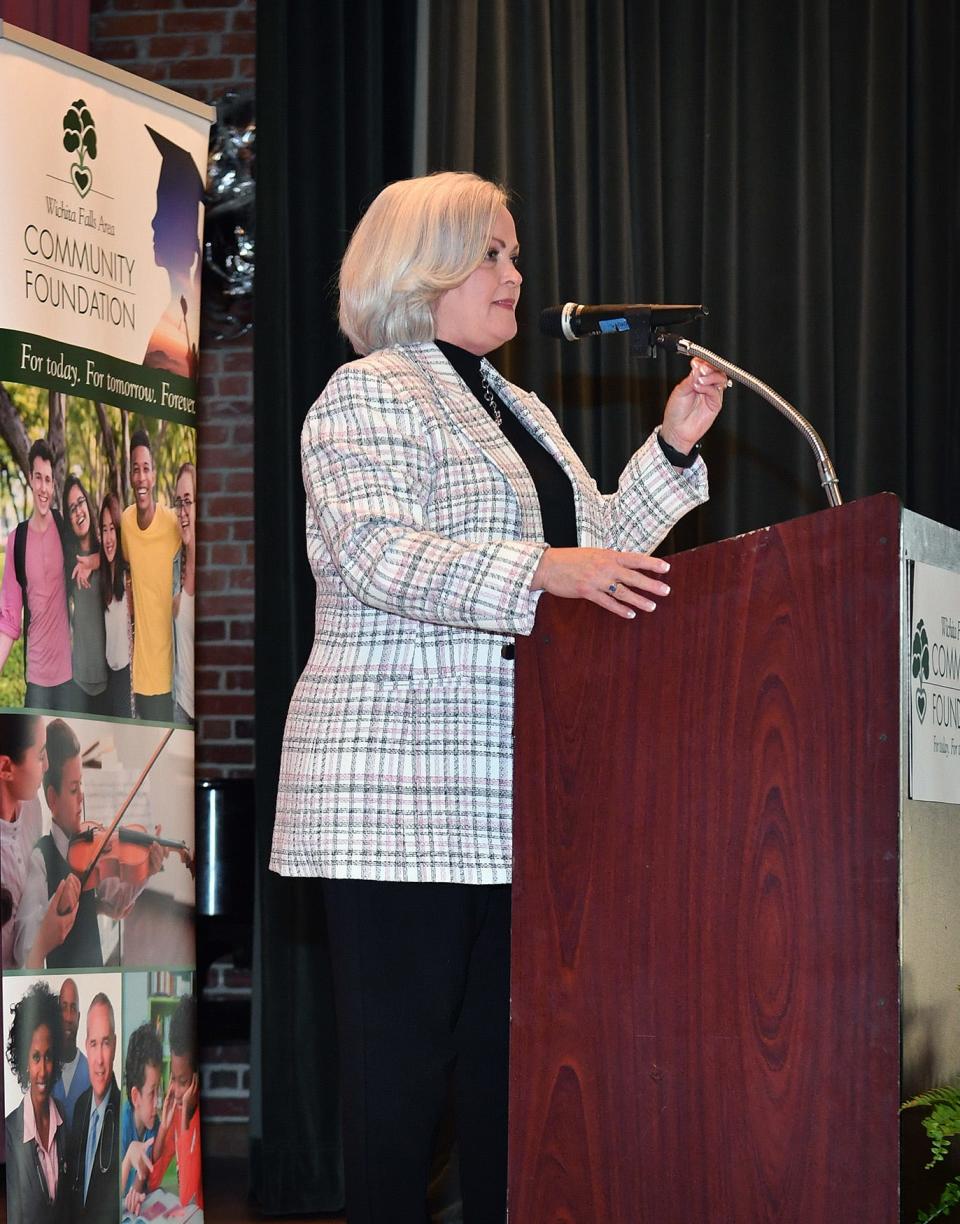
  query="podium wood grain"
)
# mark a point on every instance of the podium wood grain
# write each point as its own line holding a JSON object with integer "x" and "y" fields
{"x": 705, "y": 961}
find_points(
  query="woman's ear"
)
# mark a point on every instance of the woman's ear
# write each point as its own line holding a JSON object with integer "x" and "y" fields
{"x": 6, "y": 768}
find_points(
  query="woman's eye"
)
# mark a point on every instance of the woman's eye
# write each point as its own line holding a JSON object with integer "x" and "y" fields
{"x": 515, "y": 260}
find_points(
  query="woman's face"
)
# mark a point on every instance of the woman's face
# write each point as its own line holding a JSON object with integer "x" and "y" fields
{"x": 185, "y": 501}
{"x": 40, "y": 1065}
{"x": 480, "y": 314}
{"x": 108, "y": 535}
{"x": 78, "y": 512}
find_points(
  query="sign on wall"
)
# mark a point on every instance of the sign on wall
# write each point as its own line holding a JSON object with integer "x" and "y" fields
{"x": 100, "y": 259}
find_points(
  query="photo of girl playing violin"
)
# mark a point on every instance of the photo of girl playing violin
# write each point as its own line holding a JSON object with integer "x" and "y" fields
{"x": 124, "y": 871}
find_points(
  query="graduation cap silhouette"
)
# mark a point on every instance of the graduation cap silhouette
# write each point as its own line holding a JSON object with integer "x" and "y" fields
{"x": 179, "y": 165}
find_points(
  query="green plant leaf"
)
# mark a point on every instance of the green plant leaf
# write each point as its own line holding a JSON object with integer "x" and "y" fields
{"x": 948, "y": 1094}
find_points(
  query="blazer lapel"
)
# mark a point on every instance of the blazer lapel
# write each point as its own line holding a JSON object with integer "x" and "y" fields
{"x": 463, "y": 413}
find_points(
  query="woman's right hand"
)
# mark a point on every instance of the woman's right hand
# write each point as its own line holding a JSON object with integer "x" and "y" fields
{"x": 613, "y": 580}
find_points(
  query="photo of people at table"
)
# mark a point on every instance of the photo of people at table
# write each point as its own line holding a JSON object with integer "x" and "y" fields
{"x": 160, "y": 1173}
{"x": 96, "y": 832}
{"x": 98, "y": 510}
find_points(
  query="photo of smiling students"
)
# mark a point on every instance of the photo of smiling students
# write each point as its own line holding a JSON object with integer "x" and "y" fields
{"x": 118, "y": 625}
{"x": 57, "y": 610}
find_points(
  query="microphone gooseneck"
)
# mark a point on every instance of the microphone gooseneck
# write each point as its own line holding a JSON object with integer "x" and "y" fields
{"x": 828, "y": 476}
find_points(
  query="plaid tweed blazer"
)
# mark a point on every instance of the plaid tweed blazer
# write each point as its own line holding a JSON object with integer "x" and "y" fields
{"x": 423, "y": 534}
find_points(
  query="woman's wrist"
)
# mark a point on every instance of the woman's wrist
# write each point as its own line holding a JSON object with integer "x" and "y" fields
{"x": 538, "y": 581}
{"x": 675, "y": 454}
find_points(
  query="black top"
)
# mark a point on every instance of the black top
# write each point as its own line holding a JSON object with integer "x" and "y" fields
{"x": 554, "y": 490}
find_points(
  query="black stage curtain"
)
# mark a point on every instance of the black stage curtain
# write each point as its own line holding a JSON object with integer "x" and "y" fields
{"x": 335, "y": 104}
{"x": 792, "y": 165}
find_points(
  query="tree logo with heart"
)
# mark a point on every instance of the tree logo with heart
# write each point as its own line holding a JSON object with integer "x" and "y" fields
{"x": 80, "y": 137}
{"x": 921, "y": 666}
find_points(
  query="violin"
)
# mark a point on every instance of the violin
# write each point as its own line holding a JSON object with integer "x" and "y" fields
{"x": 88, "y": 850}
{"x": 95, "y": 854}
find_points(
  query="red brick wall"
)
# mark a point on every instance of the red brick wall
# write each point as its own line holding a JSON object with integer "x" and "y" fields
{"x": 203, "y": 48}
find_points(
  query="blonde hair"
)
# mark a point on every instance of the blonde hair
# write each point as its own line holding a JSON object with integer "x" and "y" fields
{"x": 419, "y": 238}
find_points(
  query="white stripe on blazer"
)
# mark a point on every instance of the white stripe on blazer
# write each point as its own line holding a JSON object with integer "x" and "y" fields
{"x": 423, "y": 533}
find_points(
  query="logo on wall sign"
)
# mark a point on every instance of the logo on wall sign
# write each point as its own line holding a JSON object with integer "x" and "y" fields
{"x": 921, "y": 666}
{"x": 80, "y": 137}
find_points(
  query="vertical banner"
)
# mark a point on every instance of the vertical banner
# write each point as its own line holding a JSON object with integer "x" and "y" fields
{"x": 934, "y": 684}
{"x": 100, "y": 260}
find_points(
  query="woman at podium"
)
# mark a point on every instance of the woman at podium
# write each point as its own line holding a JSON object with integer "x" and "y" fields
{"x": 442, "y": 501}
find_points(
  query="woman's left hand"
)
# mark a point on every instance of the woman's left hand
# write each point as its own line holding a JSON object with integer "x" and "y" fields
{"x": 693, "y": 406}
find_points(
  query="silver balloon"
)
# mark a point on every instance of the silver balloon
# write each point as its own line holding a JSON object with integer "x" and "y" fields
{"x": 229, "y": 229}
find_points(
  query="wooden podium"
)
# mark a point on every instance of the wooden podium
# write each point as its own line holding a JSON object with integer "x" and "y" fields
{"x": 705, "y": 997}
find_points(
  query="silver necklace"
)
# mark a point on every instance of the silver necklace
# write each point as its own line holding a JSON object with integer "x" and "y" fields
{"x": 490, "y": 399}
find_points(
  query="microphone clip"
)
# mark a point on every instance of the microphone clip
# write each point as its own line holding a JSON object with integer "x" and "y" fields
{"x": 646, "y": 327}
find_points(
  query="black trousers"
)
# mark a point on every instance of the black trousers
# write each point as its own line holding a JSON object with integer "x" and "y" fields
{"x": 422, "y": 984}
{"x": 118, "y": 692}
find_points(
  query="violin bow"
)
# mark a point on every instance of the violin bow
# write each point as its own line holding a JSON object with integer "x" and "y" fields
{"x": 126, "y": 803}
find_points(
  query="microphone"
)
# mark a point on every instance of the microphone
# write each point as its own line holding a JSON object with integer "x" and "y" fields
{"x": 573, "y": 320}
